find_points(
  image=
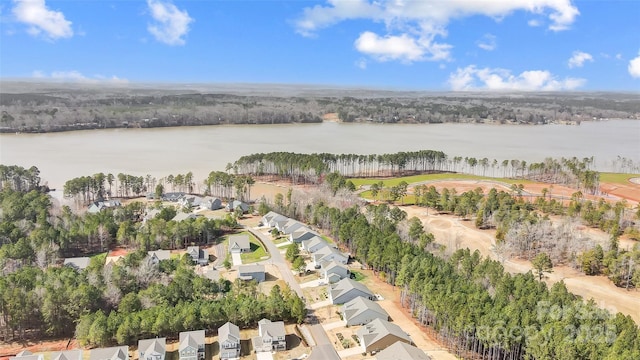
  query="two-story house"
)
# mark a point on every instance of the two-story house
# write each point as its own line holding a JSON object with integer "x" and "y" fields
{"x": 229, "y": 339}
{"x": 191, "y": 345}
{"x": 271, "y": 336}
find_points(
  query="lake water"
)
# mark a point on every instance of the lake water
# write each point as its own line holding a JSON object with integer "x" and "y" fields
{"x": 164, "y": 151}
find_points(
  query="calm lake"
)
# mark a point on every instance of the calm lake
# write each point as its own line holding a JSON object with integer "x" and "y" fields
{"x": 164, "y": 151}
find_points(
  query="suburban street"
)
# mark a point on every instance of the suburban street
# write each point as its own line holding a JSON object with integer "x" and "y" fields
{"x": 278, "y": 260}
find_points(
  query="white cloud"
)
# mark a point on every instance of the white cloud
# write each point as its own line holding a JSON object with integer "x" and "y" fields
{"x": 171, "y": 24}
{"x": 403, "y": 48}
{"x": 634, "y": 67}
{"x": 618, "y": 56}
{"x": 361, "y": 63}
{"x": 534, "y": 23}
{"x": 488, "y": 42}
{"x": 76, "y": 76}
{"x": 416, "y": 24}
{"x": 41, "y": 20}
{"x": 473, "y": 78}
{"x": 578, "y": 59}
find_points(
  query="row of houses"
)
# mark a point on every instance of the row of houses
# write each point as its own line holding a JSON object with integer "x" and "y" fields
{"x": 330, "y": 261}
{"x": 205, "y": 203}
{"x": 271, "y": 337}
{"x": 198, "y": 255}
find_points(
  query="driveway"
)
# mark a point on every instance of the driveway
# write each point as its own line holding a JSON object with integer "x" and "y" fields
{"x": 264, "y": 356}
{"x": 319, "y": 335}
{"x": 357, "y": 350}
{"x": 278, "y": 260}
{"x": 237, "y": 260}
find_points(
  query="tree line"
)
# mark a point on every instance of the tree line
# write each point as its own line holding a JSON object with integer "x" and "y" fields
{"x": 62, "y": 109}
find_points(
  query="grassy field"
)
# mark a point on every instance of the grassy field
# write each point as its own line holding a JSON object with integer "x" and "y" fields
{"x": 617, "y": 178}
{"x": 388, "y": 182}
{"x": 357, "y": 276}
{"x": 328, "y": 239}
{"x": 257, "y": 250}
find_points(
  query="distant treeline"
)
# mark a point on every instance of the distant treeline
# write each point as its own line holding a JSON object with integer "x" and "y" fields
{"x": 53, "y": 109}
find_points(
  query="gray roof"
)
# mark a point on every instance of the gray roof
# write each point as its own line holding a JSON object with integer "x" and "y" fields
{"x": 273, "y": 328}
{"x": 229, "y": 332}
{"x": 112, "y": 353}
{"x": 345, "y": 285}
{"x": 150, "y": 346}
{"x": 160, "y": 254}
{"x": 67, "y": 355}
{"x": 326, "y": 251}
{"x": 191, "y": 338}
{"x": 211, "y": 274}
{"x": 250, "y": 268}
{"x": 78, "y": 262}
{"x": 28, "y": 356}
{"x": 316, "y": 240}
{"x": 240, "y": 241}
{"x": 181, "y": 216}
{"x": 324, "y": 352}
{"x": 328, "y": 265}
{"x": 378, "y": 329}
{"x": 359, "y": 305}
{"x": 402, "y": 351}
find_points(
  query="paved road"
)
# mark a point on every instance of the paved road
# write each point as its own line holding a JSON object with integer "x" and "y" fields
{"x": 319, "y": 335}
{"x": 278, "y": 260}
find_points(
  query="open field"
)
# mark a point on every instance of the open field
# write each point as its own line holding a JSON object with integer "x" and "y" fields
{"x": 432, "y": 177}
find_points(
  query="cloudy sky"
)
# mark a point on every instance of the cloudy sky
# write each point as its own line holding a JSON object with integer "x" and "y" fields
{"x": 398, "y": 44}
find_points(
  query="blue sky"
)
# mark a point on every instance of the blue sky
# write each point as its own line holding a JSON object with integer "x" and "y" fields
{"x": 527, "y": 45}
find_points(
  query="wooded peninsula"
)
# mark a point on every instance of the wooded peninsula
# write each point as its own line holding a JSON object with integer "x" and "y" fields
{"x": 51, "y": 107}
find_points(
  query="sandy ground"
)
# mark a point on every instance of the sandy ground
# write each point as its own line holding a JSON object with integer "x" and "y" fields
{"x": 455, "y": 234}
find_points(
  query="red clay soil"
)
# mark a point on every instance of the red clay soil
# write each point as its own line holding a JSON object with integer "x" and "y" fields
{"x": 10, "y": 349}
{"x": 118, "y": 252}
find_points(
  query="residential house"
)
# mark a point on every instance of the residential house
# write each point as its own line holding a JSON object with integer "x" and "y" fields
{"x": 301, "y": 235}
{"x": 360, "y": 311}
{"x": 329, "y": 253}
{"x": 332, "y": 271}
{"x": 380, "y": 334}
{"x": 154, "y": 257}
{"x": 172, "y": 196}
{"x": 191, "y": 345}
{"x": 231, "y": 206}
{"x": 239, "y": 243}
{"x": 271, "y": 336}
{"x": 290, "y": 226}
{"x": 211, "y": 203}
{"x": 190, "y": 201}
{"x": 152, "y": 349}
{"x": 67, "y": 355}
{"x": 401, "y": 350}
{"x": 112, "y": 353}
{"x": 229, "y": 340}
{"x": 78, "y": 263}
{"x": 150, "y": 214}
{"x": 199, "y": 256}
{"x": 314, "y": 244}
{"x": 98, "y": 206}
{"x": 324, "y": 352}
{"x": 346, "y": 290}
{"x": 251, "y": 272}
{"x": 211, "y": 274}
{"x": 271, "y": 218}
{"x": 182, "y": 216}
{"x": 27, "y": 355}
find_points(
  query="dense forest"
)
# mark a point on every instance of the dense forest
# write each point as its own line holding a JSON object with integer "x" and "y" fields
{"x": 117, "y": 303}
{"x": 32, "y": 107}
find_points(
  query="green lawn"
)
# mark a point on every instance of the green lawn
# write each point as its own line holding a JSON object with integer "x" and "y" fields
{"x": 617, "y": 178}
{"x": 328, "y": 239}
{"x": 280, "y": 239}
{"x": 388, "y": 182}
{"x": 257, "y": 253}
{"x": 357, "y": 276}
